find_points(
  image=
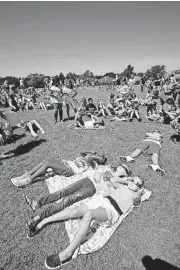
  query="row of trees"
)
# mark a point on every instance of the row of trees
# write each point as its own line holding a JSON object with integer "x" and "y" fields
{"x": 37, "y": 80}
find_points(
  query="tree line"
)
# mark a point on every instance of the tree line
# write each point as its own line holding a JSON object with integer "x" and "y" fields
{"x": 37, "y": 80}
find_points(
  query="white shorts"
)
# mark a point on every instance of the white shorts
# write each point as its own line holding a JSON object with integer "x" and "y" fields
{"x": 113, "y": 215}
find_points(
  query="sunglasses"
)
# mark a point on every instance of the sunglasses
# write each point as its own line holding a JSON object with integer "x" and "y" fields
{"x": 136, "y": 183}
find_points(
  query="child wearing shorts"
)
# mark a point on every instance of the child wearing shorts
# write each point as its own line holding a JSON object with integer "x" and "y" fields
{"x": 31, "y": 126}
{"x": 152, "y": 143}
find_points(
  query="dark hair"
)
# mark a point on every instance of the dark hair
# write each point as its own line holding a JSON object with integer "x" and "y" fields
{"x": 93, "y": 160}
{"x": 90, "y": 99}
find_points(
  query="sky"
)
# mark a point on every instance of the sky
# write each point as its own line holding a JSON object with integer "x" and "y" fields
{"x": 54, "y": 37}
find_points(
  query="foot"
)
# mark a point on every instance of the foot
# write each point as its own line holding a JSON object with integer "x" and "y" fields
{"x": 139, "y": 119}
{"x": 55, "y": 122}
{"x": 126, "y": 159}
{"x": 130, "y": 119}
{"x": 32, "y": 204}
{"x": 34, "y": 134}
{"x": 33, "y": 228}
{"x": 42, "y": 131}
{"x": 156, "y": 168}
{"x": 54, "y": 262}
{"x": 21, "y": 182}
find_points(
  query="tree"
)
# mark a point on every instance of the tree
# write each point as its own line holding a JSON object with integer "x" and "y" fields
{"x": 156, "y": 70}
{"x": 110, "y": 74}
{"x": 71, "y": 76}
{"x": 128, "y": 72}
{"x": 140, "y": 74}
{"x": 87, "y": 74}
{"x": 35, "y": 80}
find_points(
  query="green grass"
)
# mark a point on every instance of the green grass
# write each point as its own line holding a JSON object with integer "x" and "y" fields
{"x": 152, "y": 229}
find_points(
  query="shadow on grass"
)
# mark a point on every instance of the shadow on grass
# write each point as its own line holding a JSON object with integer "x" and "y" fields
{"x": 25, "y": 148}
{"x": 71, "y": 118}
{"x": 157, "y": 264}
{"x": 15, "y": 137}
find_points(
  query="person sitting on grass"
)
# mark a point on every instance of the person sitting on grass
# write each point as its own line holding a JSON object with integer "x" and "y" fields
{"x": 147, "y": 100}
{"x": 80, "y": 190}
{"x": 102, "y": 111}
{"x": 125, "y": 193}
{"x": 152, "y": 143}
{"x": 33, "y": 126}
{"x": 169, "y": 110}
{"x": 111, "y": 107}
{"x": 95, "y": 122}
{"x": 62, "y": 167}
{"x": 134, "y": 111}
{"x": 90, "y": 107}
{"x": 152, "y": 113}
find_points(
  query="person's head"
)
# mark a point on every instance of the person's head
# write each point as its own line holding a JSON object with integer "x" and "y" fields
{"x": 135, "y": 183}
{"x": 169, "y": 101}
{"x": 83, "y": 100}
{"x": 120, "y": 171}
{"x": 149, "y": 91}
{"x": 95, "y": 159}
{"x": 90, "y": 100}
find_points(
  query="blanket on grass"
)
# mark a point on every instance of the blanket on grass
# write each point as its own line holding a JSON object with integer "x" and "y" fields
{"x": 102, "y": 235}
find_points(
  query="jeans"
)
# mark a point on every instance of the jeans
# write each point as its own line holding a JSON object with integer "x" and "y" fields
{"x": 73, "y": 193}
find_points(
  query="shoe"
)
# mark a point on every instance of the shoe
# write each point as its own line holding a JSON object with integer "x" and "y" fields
{"x": 130, "y": 119}
{"x": 43, "y": 132}
{"x": 33, "y": 229}
{"x": 30, "y": 203}
{"x": 34, "y": 134}
{"x": 156, "y": 168}
{"x": 53, "y": 261}
{"x": 32, "y": 233}
{"x": 139, "y": 119}
{"x": 20, "y": 182}
{"x": 126, "y": 159}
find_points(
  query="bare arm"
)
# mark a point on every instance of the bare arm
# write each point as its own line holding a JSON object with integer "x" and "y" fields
{"x": 137, "y": 197}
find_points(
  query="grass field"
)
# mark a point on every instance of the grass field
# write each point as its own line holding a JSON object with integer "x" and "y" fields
{"x": 152, "y": 229}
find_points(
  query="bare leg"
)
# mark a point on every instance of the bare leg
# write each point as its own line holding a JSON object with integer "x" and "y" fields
{"x": 98, "y": 214}
{"x": 57, "y": 166}
{"x": 33, "y": 133}
{"x": 35, "y": 169}
{"x": 136, "y": 153}
{"x": 38, "y": 126}
{"x": 155, "y": 158}
{"x": 137, "y": 114}
{"x": 67, "y": 110}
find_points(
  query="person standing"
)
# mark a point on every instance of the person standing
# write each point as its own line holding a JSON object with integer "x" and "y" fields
{"x": 142, "y": 83}
{"x": 56, "y": 98}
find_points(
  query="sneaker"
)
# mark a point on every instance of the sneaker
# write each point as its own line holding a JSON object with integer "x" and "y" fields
{"x": 53, "y": 261}
{"x": 156, "y": 168}
{"x": 34, "y": 134}
{"x": 126, "y": 159}
{"x": 32, "y": 232}
{"x": 20, "y": 182}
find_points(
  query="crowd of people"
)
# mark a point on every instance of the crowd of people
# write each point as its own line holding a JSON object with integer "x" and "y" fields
{"x": 123, "y": 191}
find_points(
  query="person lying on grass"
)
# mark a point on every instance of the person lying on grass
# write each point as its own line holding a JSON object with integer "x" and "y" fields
{"x": 152, "y": 143}
{"x": 95, "y": 122}
{"x": 62, "y": 167}
{"x": 125, "y": 193}
{"x": 78, "y": 191}
{"x": 33, "y": 126}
